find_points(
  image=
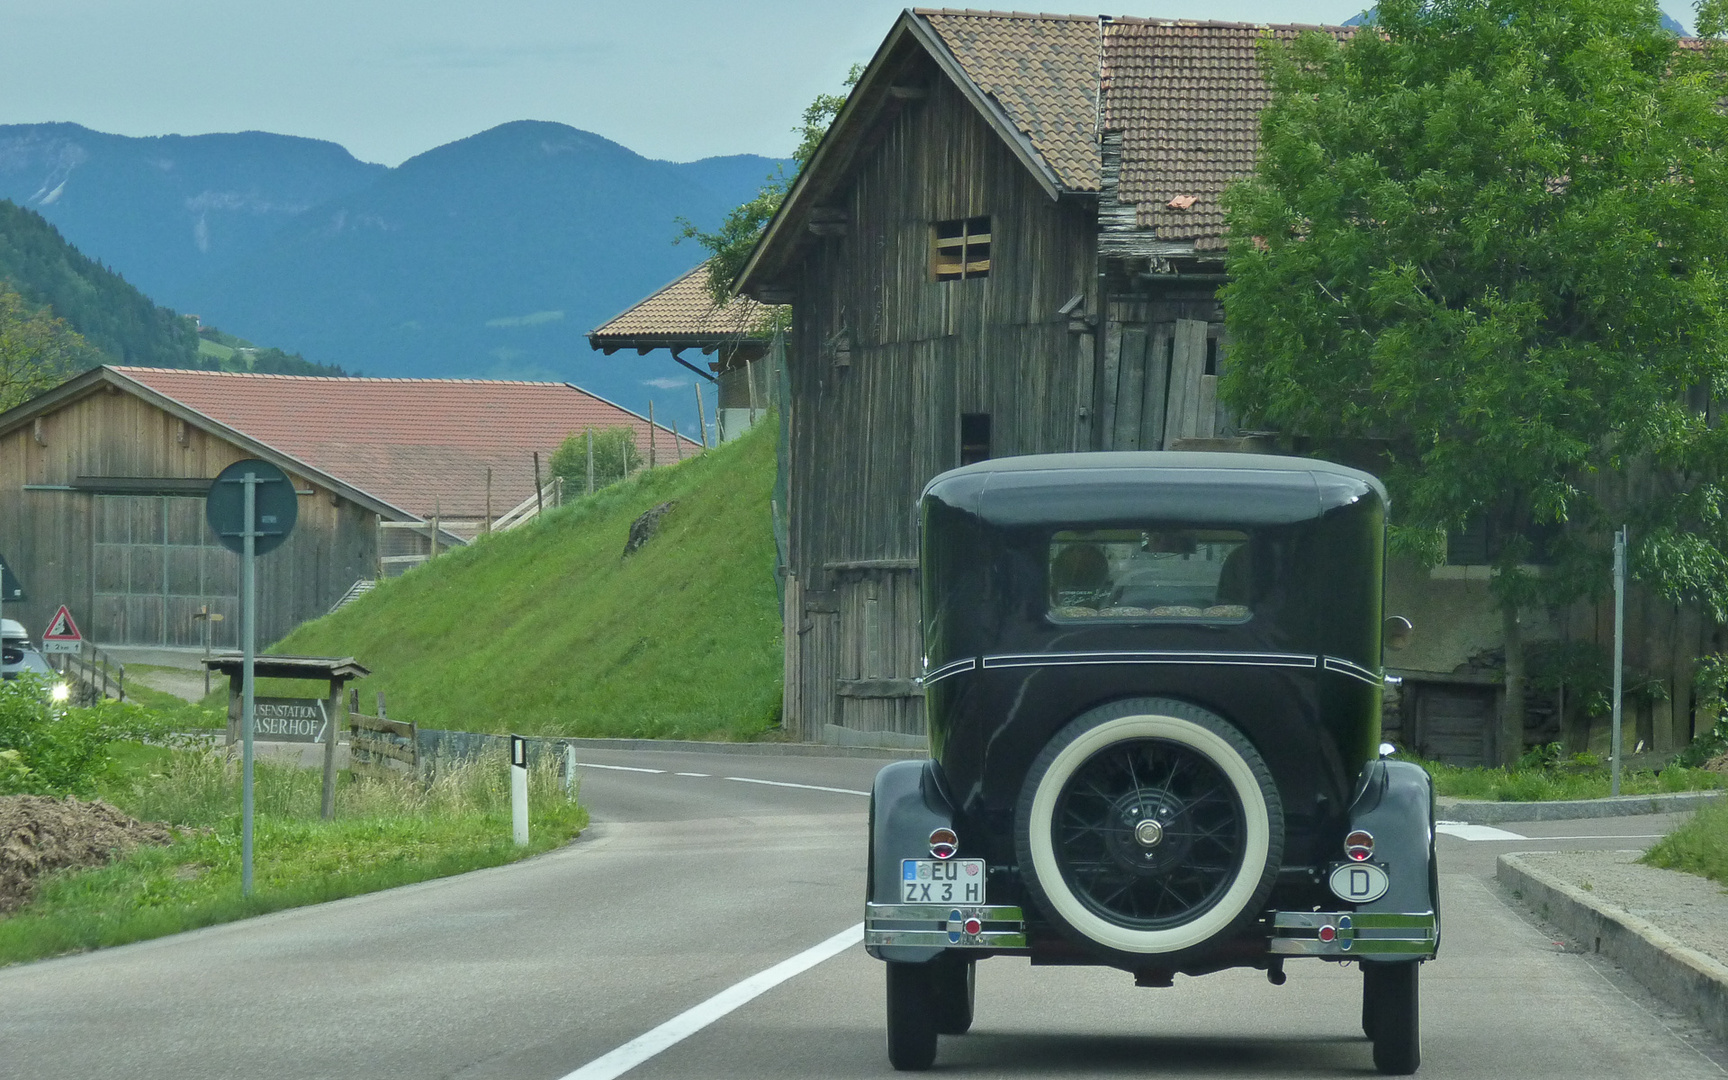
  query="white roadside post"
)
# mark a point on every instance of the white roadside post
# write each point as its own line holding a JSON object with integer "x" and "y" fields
{"x": 569, "y": 771}
{"x": 519, "y": 789}
{"x": 1619, "y": 651}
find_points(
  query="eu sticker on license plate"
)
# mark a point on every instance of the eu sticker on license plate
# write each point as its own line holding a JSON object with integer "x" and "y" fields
{"x": 942, "y": 881}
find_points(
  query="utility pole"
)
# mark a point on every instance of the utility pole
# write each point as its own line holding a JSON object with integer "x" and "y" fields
{"x": 1619, "y": 650}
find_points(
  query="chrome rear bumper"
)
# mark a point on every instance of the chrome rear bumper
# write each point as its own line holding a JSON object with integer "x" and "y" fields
{"x": 945, "y": 926}
{"x": 1355, "y": 933}
{"x": 1335, "y": 934}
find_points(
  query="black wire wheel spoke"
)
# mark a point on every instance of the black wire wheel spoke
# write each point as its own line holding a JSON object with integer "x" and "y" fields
{"x": 1149, "y": 833}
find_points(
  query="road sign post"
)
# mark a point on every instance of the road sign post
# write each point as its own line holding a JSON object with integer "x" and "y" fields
{"x": 251, "y": 508}
{"x": 1619, "y": 654}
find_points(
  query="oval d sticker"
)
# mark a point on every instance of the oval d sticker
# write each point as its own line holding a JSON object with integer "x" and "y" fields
{"x": 1359, "y": 883}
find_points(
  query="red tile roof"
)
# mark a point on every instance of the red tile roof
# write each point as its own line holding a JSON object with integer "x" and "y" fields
{"x": 418, "y": 444}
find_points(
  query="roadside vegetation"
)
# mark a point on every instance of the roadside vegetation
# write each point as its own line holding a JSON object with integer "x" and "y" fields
{"x": 549, "y": 629}
{"x": 67, "y": 886}
{"x": 1538, "y": 781}
{"x": 1698, "y": 847}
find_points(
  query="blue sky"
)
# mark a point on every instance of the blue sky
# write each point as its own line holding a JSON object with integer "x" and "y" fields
{"x": 675, "y": 79}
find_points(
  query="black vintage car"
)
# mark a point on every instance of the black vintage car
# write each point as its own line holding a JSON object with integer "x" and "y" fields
{"x": 1153, "y": 686}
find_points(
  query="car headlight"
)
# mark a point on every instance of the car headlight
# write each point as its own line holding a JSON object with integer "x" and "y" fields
{"x": 61, "y": 692}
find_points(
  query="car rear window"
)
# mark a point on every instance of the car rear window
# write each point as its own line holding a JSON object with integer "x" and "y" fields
{"x": 1149, "y": 574}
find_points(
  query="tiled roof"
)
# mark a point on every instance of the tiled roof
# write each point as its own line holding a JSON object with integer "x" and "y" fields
{"x": 418, "y": 444}
{"x": 682, "y": 313}
{"x": 1186, "y": 97}
{"x": 1043, "y": 72}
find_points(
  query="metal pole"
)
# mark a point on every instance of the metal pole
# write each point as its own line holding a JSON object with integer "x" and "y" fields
{"x": 248, "y": 638}
{"x": 1619, "y": 650}
{"x": 331, "y": 708}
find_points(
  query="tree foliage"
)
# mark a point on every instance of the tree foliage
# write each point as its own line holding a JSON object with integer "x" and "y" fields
{"x": 37, "y": 350}
{"x": 1490, "y": 238}
{"x": 616, "y": 456}
{"x": 730, "y": 244}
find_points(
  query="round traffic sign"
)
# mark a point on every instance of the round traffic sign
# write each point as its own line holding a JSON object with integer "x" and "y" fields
{"x": 275, "y": 506}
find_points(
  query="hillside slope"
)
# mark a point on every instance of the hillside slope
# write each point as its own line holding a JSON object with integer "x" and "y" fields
{"x": 548, "y": 630}
{"x": 95, "y": 301}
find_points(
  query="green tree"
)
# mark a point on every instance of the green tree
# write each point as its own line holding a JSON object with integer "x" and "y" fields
{"x": 730, "y": 244}
{"x": 37, "y": 350}
{"x": 1490, "y": 239}
{"x": 615, "y": 457}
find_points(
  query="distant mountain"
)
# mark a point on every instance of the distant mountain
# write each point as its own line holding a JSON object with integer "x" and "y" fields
{"x": 123, "y": 324}
{"x": 166, "y": 211}
{"x": 98, "y": 303}
{"x": 488, "y": 257}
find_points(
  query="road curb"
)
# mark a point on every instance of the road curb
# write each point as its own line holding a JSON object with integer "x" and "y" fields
{"x": 1480, "y": 812}
{"x": 1687, "y": 979}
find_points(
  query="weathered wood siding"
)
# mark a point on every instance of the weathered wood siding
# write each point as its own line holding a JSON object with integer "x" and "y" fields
{"x": 95, "y": 552}
{"x": 885, "y": 360}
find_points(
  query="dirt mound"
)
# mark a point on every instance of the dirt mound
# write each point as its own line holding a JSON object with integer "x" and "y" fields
{"x": 39, "y": 834}
{"x": 1719, "y": 763}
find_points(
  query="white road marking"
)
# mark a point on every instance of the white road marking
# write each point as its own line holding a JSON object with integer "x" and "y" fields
{"x": 690, "y": 1021}
{"x": 1475, "y": 832}
{"x": 1603, "y": 836}
{"x": 616, "y": 768}
{"x": 806, "y": 787}
{"x": 691, "y": 774}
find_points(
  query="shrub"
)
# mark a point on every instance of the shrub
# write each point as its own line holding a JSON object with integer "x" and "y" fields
{"x": 615, "y": 457}
{"x": 49, "y": 749}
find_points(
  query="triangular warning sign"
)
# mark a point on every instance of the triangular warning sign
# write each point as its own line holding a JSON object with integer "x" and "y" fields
{"x": 62, "y": 628}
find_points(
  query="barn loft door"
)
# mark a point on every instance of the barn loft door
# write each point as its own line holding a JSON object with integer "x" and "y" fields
{"x": 155, "y": 565}
{"x": 1159, "y": 383}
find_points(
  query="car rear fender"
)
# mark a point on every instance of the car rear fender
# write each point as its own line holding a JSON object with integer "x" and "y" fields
{"x": 907, "y": 802}
{"x": 1396, "y": 805}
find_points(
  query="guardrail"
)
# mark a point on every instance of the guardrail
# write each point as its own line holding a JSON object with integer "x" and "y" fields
{"x": 381, "y": 747}
{"x": 97, "y": 673}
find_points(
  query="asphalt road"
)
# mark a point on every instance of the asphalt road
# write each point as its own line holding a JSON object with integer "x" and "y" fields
{"x": 689, "y": 884}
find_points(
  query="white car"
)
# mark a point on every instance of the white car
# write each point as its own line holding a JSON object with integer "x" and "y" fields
{"x": 19, "y": 657}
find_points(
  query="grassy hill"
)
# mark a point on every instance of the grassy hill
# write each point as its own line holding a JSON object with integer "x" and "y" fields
{"x": 548, "y": 630}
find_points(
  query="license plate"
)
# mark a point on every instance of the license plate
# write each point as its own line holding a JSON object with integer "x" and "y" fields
{"x": 942, "y": 881}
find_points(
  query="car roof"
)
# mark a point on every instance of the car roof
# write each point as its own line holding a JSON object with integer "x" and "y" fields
{"x": 12, "y": 628}
{"x": 1249, "y": 489}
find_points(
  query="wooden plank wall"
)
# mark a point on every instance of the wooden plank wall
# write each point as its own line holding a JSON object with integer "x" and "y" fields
{"x": 885, "y": 360}
{"x": 1153, "y": 387}
{"x": 50, "y": 536}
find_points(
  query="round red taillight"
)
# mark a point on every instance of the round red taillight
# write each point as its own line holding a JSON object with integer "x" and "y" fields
{"x": 1359, "y": 845}
{"x": 944, "y": 843}
{"x": 1328, "y": 933}
{"x": 974, "y": 925}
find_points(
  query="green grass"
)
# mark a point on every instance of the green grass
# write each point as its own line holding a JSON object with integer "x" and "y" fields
{"x": 386, "y": 833}
{"x": 180, "y": 714}
{"x": 546, "y": 629}
{"x": 1549, "y": 784}
{"x": 206, "y": 347}
{"x": 1698, "y": 847}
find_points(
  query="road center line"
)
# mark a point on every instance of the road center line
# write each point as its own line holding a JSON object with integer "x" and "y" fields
{"x": 805, "y": 787}
{"x": 691, "y": 774}
{"x": 690, "y": 1021}
{"x": 615, "y": 768}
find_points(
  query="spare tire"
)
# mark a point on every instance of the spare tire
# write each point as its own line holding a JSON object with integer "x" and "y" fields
{"x": 1149, "y": 826}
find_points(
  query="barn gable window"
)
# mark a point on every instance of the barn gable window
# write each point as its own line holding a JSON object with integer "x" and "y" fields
{"x": 960, "y": 249}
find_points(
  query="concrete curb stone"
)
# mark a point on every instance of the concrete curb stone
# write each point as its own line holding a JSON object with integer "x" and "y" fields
{"x": 1687, "y": 979}
{"x": 1482, "y": 812}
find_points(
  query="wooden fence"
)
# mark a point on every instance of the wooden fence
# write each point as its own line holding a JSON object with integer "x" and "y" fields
{"x": 381, "y": 747}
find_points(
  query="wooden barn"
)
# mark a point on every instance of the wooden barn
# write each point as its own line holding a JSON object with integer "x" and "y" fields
{"x": 1011, "y": 242}
{"x": 102, "y": 484}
